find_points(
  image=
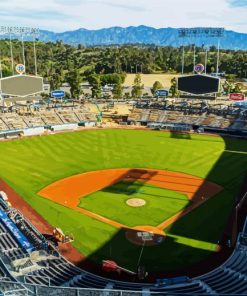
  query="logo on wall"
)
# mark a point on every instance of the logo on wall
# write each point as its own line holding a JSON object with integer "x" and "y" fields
{"x": 199, "y": 68}
{"x": 237, "y": 97}
{"x": 20, "y": 68}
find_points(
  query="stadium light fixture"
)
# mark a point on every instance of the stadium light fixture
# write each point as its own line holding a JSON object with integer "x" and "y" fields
{"x": 202, "y": 32}
{"x": 20, "y": 32}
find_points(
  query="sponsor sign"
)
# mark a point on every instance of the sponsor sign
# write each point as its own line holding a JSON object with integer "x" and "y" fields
{"x": 162, "y": 93}
{"x": 20, "y": 68}
{"x": 58, "y": 94}
{"x": 199, "y": 68}
{"x": 18, "y": 235}
{"x": 237, "y": 97}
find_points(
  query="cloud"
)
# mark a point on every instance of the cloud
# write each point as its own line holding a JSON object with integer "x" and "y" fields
{"x": 32, "y": 14}
{"x": 64, "y": 15}
{"x": 124, "y": 6}
{"x": 113, "y": 3}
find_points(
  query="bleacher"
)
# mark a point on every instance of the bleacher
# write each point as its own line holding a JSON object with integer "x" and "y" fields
{"x": 50, "y": 117}
{"x": 25, "y": 226}
{"x": 13, "y": 121}
{"x": 13, "y": 125}
{"x": 162, "y": 117}
{"x": 12, "y": 244}
{"x": 135, "y": 115}
{"x": 240, "y": 124}
{"x": 3, "y": 125}
{"x": 13, "y": 289}
{"x": 33, "y": 120}
{"x": 67, "y": 116}
{"x": 57, "y": 271}
{"x": 145, "y": 115}
{"x": 85, "y": 116}
{"x": 154, "y": 116}
{"x": 148, "y": 116}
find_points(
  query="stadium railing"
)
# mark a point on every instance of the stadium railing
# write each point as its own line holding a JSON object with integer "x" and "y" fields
{"x": 13, "y": 288}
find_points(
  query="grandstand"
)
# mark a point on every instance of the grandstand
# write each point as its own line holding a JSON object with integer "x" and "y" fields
{"x": 194, "y": 118}
{"x": 30, "y": 265}
{"x": 15, "y": 124}
{"x": 177, "y": 117}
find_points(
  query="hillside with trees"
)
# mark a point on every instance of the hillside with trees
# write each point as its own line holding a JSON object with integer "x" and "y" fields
{"x": 59, "y": 63}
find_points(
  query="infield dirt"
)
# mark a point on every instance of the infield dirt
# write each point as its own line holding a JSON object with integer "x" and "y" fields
{"x": 68, "y": 191}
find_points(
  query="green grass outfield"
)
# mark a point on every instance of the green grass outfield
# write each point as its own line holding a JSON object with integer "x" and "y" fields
{"x": 160, "y": 205}
{"x": 30, "y": 164}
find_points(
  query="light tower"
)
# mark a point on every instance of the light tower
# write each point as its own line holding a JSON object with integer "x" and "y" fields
{"x": 20, "y": 32}
{"x": 20, "y": 85}
{"x": 215, "y": 33}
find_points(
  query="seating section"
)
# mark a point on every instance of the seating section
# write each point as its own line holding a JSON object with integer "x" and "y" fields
{"x": 55, "y": 272}
{"x": 195, "y": 288}
{"x": 45, "y": 117}
{"x": 50, "y": 117}
{"x": 145, "y": 115}
{"x": 135, "y": 115}
{"x": 78, "y": 114}
{"x": 33, "y": 120}
{"x": 179, "y": 117}
{"x": 13, "y": 121}
{"x": 8, "y": 246}
{"x": 226, "y": 281}
{"x": 31, "y": 233}
{"x": 67, "y": 116}
{"x": 15, "y": 289}
{"x": 154, "y": 115}
{"x": 83, "y": 116}
{"x": 3, "y": 126}
{"x": 240, "y": 124}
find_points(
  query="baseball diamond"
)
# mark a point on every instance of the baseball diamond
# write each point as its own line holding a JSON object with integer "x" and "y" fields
{"x": 80, "y": 182}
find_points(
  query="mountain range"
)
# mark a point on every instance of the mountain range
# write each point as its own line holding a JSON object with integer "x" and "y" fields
{"x": 141, "y": 35}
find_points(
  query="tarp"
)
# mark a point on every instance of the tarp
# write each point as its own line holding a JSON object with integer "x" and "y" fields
{"x": 19, "y": 237}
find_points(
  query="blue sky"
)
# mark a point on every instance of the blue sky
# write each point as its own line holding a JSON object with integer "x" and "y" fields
{"x": 64, "y": 15}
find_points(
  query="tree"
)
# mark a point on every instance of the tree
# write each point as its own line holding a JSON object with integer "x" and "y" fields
{"x": 117, "y": 91}
{"x": 137, "y": 87}
{"x": 127, "y": 95}
{"x": 55, "y": 81}
{"x": 112, "y": 78}
{"x": 95, "y": 82}
{"x": 157, "y": 85}
{"x": 74, "y": 79}
{"x": 173, "y": 89}
{"x": 6, "y": 72}
{"x": 67, "y": 95}
{"x": 238, "y": 87}
{"x": 231, "y": 87}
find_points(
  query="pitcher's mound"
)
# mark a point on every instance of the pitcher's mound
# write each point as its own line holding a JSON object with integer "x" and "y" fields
{"x": 136, "y": 202}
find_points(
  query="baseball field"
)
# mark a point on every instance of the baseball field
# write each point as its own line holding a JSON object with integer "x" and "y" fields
{"x": 100, "y": 185}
